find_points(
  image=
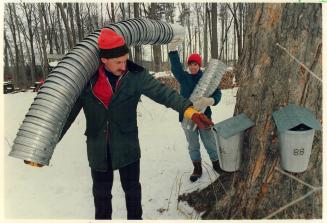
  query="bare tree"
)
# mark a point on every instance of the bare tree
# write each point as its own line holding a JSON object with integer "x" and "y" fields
{"x": 111, "y": 12}
{"x": 61, "y": 33}
{"x": 199, "y": 25}
{"x": 157, "y": 57}
{"x": 214, "y": 38}
{"x": 71, "y": 19}
{"x": 237, "y": 26}
{"x": 28, "y": 8}
{"x": 205, "y": 35}
{"x": 65, "y": 20}
{"x": 78, "y": 21}
{"x": 8, "y": 56}
{"x": 14, "y": 35}
{"x": 52, "y": 19}
{"x": 137, "y": 49}
{"x": 123, "y": 10}
{"x": 44, "y": 49}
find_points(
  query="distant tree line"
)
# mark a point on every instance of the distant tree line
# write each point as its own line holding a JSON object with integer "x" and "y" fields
{"x": 32, "y": 31}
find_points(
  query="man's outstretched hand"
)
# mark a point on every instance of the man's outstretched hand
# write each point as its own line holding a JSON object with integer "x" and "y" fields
{"x": 200, "y": 119}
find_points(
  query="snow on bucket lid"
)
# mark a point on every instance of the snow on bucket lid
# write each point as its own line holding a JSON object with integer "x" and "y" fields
{"x": 233, "y": 125}
{"x": 292, "y": 115}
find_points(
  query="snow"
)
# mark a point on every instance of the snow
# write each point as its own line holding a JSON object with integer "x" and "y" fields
{"x": 63, "y": 189}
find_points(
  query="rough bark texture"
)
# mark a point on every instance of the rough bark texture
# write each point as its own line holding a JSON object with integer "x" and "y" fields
{"x": 44, "y": 48}
{"x": 78, "y": 22}
{"x": 214, "y": 39}
{"x": 138, "y": 49}
{"x": 157, "y": 58}
{"x": 270, "y": 79}
{"x": 66, "y": 24}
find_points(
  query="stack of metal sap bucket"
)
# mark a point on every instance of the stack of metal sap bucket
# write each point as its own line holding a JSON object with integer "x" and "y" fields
{"x": 206, "y": 86}
{"x": 40, "y": 131}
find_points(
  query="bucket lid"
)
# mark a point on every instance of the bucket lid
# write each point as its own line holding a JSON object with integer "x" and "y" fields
{"x": 292, "y": 115}
{"x": 233, "y": 125}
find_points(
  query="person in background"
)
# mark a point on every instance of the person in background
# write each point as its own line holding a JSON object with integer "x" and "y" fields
{"x": 188, "y": 80}
{"x": 109, "y": 101}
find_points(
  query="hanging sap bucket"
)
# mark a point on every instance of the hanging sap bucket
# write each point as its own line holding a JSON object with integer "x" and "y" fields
{"x": 229, "y": 140}
{"x": 296, "y": 128}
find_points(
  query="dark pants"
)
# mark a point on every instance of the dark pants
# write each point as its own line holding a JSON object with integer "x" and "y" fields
{"x": 102, "y": 184}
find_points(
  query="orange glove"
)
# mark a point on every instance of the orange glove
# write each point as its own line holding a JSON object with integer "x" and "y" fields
{"x": 198, "y": 118}
{"x": 33, "y": 163}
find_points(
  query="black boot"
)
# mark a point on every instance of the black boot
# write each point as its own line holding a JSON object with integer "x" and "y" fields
{"x": 216, "y": 167}
{"x": 197, "y": 172}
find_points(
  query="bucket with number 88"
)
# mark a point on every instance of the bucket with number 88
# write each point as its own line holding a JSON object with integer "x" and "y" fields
{"x": 296, "y": 149}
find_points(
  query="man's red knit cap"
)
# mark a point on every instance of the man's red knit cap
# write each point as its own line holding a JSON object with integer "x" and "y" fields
{"x": 111, "y": 44}
{"x": 195, "y": 58}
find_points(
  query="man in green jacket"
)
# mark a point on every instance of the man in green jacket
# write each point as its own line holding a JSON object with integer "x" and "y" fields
{"x": 110, "y": 102}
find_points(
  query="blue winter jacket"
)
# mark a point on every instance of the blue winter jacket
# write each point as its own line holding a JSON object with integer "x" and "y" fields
{"x": 188, "y": 82}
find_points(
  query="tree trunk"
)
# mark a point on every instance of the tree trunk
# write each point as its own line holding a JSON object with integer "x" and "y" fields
{"x": 44, "y": 48}
{"x": 138, "y": 49}
{"x": 47, "y": 27}
{"x": 65, "y": 20}
{"x": 101, "y": 15}
{"x": 198, "y": 12}
{"x": 157, "y": 59}
{"x": 8, "y": 53}
{"x": 61, "y": 33}
{"x": 123, "y": 11}
{"x": 14, "y": 34}
{"x": 28, "y": 13}
{"x": 78, "y": 22}
{"x": 214, "y": 38}
{"x": 226, "y": 35}
{"x": 237, "y": 26}
{"x": 113, "y": 16}
{"x": 205, "y": 37}
{"x": 71, "y": 19}
{"x": 270, "y": 79}
{"x": 22, "y": 79}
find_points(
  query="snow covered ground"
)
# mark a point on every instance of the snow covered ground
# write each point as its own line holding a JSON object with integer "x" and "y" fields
{"x": 63, "y": 189}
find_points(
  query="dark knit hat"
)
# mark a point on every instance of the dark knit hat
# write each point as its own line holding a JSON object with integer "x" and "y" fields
{"x": 111, "y": 44}
{"x": 195, "y": 58}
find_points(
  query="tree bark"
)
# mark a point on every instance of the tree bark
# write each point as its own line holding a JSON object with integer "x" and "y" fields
{"x": 14, "y": 35}
{"x": 44, "y": 48}
{"x": 123, "y": 11}
{"x": 270, "y": 79}
{"x": 198, "y": 37}
{"x": 113, "y": 16}
{"x": 205, "y": 36}
{"x": 137, "y": 49}
{"x": 28, "y": 13}
{"x": 61, "y": 33}
{"x": 22, "y": 79}
{"x": 214, "y": 38}
{"x": 47, "y": 27}
{"x": 71, "y": 19}
{"x": 65, "y": 20}
{"x": 78, "y": 22}
{"x": 157, "y": 59}
{"x": 8, "y": 57}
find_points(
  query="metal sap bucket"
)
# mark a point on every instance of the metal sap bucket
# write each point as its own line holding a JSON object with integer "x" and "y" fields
{"x": 295, "y": 149}
{"x": 296, "y": 128}
{"x": 229, "y": 135}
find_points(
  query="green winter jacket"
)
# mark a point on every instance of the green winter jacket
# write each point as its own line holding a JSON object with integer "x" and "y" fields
{"x": 118, "y": 122}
